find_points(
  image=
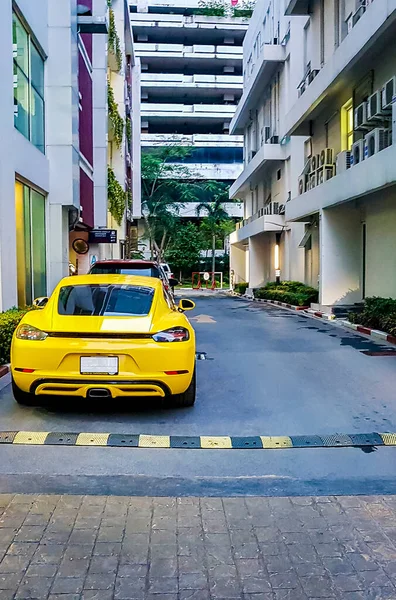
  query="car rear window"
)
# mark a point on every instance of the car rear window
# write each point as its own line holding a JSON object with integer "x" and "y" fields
{"x": 143, "y": 271}
{"x": 105, "y": 300}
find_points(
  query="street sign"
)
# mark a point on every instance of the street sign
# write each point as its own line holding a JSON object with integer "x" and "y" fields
{"x": 102, "y": 236}
{"x": 206, "y": 276}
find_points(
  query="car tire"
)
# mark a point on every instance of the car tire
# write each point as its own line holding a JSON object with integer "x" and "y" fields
{"x": 23, "y": 398}
{"x": 188, "y": 397}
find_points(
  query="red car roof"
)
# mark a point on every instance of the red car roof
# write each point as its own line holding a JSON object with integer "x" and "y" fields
{"x": 123, "y": 261}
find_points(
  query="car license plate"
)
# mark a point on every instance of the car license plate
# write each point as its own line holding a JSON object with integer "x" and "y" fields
{"x": 95, "y": 365}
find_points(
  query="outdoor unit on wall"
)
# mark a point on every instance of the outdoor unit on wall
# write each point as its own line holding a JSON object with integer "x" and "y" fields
{"x": 267, "y": 133}
{"x": 312, "y": 181}
{"x": 376, "y": 140}
{"x": 357, "y": 152}
{"x": 311, "y": 75}
{"x": 388, "y": 93}
{"x": 320, "y": 176}
{"x": 360, "y": 117}
{"x": 302, "y": 184}
{"x": 343, "y": 161}
{"x": 274, "y": 139}
{"x": 326, "y": 157}
{"x": 315, "y": 162}
{"x": 375, "y": 111}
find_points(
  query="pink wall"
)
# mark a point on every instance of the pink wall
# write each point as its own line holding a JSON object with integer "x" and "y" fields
{"x": 87, "y": 198}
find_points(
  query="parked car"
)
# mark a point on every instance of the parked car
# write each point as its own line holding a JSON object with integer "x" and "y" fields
{"x": 105, "y": 336}
{"x": 147, "y": 268}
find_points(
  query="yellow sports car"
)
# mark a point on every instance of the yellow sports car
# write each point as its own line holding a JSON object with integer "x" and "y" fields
{"x": 105, "y": 336}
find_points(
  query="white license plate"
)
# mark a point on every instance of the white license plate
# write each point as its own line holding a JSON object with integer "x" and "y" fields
{"x": 105, "y": 365}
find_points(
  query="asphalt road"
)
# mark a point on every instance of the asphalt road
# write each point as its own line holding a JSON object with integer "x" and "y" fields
{"x": 268, "y": 372}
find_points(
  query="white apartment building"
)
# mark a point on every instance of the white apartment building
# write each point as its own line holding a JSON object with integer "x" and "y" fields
{"x": 264, "y": 245}
{"x": 191, "y": 81}
{"x": 345, "y": 102}
{"x": 339, "y": 115}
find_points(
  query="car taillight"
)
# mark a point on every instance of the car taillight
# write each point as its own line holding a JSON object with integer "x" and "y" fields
{"x": 176, "y": 334}
{"x": 28, "y": 332}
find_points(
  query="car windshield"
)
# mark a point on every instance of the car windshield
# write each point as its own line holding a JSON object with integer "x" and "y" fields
{"x": 143, "y": 270}
{"x": 105, "y": 300}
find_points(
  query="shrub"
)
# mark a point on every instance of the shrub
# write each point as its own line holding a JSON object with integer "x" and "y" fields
{"x": 377, "y": 313}
{"x": 240, "y": 288}
{"x": 8, "y": 323}
{"x": 290, "y": 292}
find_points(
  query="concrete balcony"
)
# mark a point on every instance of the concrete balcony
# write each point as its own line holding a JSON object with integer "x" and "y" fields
{"x": 218, "y": 171}
{"x": 199, "y": 141}
{"x": 297, "y": 7}
{"x": 218, "y": 111}
{"x": 271, "y": 56}
{"x": 195, "y": 51}
{"x": 371, "y": 175}
{"x": 233, "y": 209}
{"x": 175, "y": 21}
{"x": 251, "y": 173}
{"x": 176, "y": 79}
{"x": 266, "y": 219}
{"x": 347, "y": 65}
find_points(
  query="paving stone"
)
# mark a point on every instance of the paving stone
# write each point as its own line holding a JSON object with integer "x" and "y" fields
{"x": 107, "y": 564}
{"x": 106, "y": 548}
{"x": 73, "y": 567}
{"x": 376, "y": 579}
{"x": 64, "y": 597}
{"x": 287, "y": 580}
{"x": 278, "y": 564}
{"x": 10, "y": 581}
{"x": 34, "y": 588}
{"x": 99, "y": 581}
{"x": 22, "y": 548}
{"x": 42, "y": 570}
{"x": 255, "y": 585}
{"x": 317, "y": 587}
{"x": 290, "y": 594}
{"x": 225, "y": 588}
{"x": 68, "y": 585}
{"x": 163, "y": 585}
{"x": 337, "y": 566}
{"x": 129, "y": 587}
{"x": 97, "y": 595}
{"x": 14, "y": 563}
{"x": 30, "y": 533}
{"x": 193, "y": 595}
{"x": 347, "y": 583}
{"x": 192, "y": 581}
{"x": 49, "y": 553}
{"x": 267, "y": 534}
{"x": 362, "y": 562}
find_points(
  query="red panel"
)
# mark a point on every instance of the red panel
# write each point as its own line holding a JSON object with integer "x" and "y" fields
{"x": 85, "y": 121}
{"x": 87, "y": 198}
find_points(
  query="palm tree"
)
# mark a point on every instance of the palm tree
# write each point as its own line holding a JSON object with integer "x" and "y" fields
{"x": 215, "y": 214}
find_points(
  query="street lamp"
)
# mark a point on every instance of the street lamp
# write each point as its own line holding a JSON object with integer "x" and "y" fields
{"x": 277, "y": 262}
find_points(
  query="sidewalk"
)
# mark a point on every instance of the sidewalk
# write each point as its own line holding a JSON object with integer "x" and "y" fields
{"x": 86, "y": 548}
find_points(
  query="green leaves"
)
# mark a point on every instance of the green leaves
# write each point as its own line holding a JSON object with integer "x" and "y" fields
{"x": 8, "y": 323}
{"x": 185, "y": 247}
{"x": 116, "y": 120}
{"x": 116, "y": 195}
{"x": 113, "y": 39}
{"x": 291, "y": 292}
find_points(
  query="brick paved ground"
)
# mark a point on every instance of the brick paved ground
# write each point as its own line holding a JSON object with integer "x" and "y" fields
{"x": 86, "y": 548}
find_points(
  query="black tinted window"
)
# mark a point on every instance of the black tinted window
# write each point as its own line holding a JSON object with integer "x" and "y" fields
{"x": 143, "y": 271}
{"x": 105, "y": 300}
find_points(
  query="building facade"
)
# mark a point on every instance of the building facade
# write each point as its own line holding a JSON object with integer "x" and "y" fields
{"x": 264, "y": 246}
{"x": 336, "y": 137}
{"x": 53, "y": 164}
{"x": 191, "y": 82}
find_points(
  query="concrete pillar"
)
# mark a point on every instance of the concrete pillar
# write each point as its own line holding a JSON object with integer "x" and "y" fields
{"x": 58, "y": 244}
{"x": 340, "y": 256}
{"x": 238, "y": 263}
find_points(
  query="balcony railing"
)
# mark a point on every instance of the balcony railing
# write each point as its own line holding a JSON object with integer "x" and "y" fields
{"x": 272, "y": 208}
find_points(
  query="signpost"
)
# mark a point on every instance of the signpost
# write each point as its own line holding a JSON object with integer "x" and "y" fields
{"x": 102, "y": 236}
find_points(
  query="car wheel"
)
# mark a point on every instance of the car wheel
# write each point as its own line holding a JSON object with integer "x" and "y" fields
{"x": 22, "y": 397}
{"x": 188, "y": 397}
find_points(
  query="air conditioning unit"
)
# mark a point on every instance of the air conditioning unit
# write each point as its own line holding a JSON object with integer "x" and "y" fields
{"x": 358, "y": 13}
{"x": 228, "y": 97}
{"x": 326, "y": 157}
{"x": 374, "y": 107}
{"x": 312, "y": 181}
{"x": 128, "y": 160}
{"x": 315, "y": 162}
{"x": 357, "y": 152}
{"x": 302, "y": 88}
{"x": 343, "y": 161}
{"x": 360, "y": 120}
{"x": 349, "y": 23}
{"x": 328, "y": 172}
{"x": 311, "y": 75}
{"x": 320, "y": 176}
{"x": 376, "y": 140}
{"x": 302, "y": 184}
{"x": 267, "y": 134}
{"x": 274, "y": 139}
{"x": 252, "y": 154}
{"x": 281, "y": 209}
{"x": 388, "y": 93}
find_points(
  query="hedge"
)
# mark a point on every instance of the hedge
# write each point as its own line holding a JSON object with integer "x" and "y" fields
{"x": 241, "y": 288}
{"x": 378, "y": 313}
{"x": 8, "y": 323}
{"x": 290, "y": 292}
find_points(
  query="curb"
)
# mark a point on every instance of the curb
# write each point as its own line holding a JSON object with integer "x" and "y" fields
{"x": 4, "y": 370}
{"x": 319, "y": 314}
{"x": 375, "y": 333}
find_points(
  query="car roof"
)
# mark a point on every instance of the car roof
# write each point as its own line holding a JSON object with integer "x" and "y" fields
{"x": 152, "y": 282}
{"x": 126, "y": 262}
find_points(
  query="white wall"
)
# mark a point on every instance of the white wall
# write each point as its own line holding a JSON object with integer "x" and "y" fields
{"x": 381, "y": 245}
{"x": 341, "y": 256}
{"x": 238, "y": 263}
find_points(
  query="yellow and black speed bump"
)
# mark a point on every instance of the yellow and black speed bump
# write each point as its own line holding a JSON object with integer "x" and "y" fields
{"x": 263, "y": 442}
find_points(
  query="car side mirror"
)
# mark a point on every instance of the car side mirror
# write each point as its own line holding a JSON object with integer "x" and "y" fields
{"x": 40, "y": 302}
{"x": 173, "y": 282}
{"x": 185, "y": 304}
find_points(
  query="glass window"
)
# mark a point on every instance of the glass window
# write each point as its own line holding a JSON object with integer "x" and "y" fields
{"x": 28, "y": 86}
{"x": 105, "y": 300}
{"x": 31, "y": 244}
{"x": 347, "y": 125}
{"x": 143, "y": 272}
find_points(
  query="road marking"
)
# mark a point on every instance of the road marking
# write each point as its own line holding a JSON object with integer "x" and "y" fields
{"x": 203, "y": 319}
{"x": 214, "y": 442}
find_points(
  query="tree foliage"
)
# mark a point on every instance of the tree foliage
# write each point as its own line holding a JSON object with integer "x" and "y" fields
{"x": 185, "y": 247}
{"x": 167, "y": 186}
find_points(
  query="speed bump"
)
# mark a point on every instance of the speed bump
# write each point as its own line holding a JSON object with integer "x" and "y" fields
{"x": 188, "y": 442}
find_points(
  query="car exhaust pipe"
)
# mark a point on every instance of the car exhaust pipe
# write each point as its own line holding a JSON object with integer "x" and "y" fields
{"x": 98, "y": 393}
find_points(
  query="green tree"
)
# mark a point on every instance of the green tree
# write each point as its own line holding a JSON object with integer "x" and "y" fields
{"x": 167, "y": 185}
{"x": 215, "y": 220}
{"x": 185, "y": 248}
